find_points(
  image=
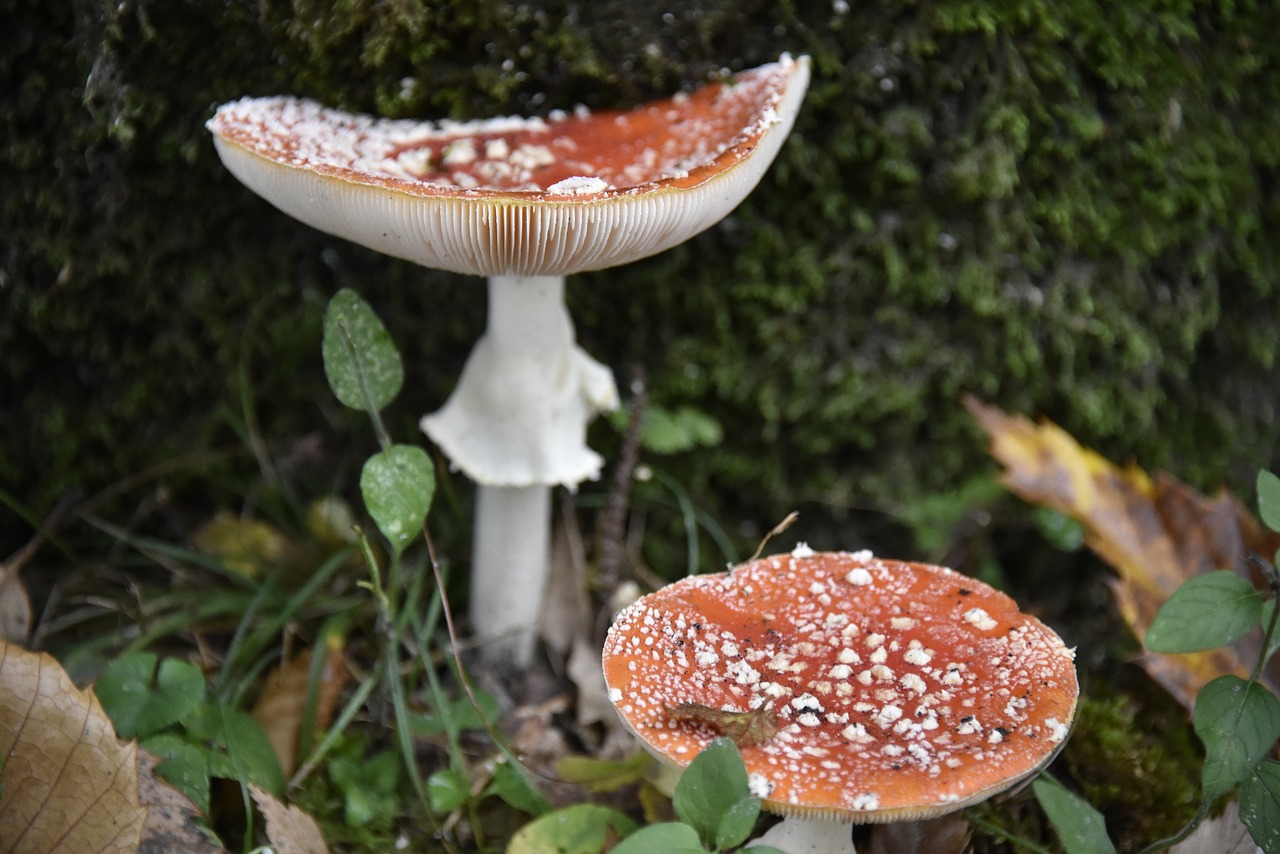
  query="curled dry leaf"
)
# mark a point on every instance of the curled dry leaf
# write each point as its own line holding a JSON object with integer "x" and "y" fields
{"x": 948, "y": 834}
{"x": 1155, "y": 532}
{"x": 282, "y": 705}
{"x": 290, "y": 830}
{"x": 744, "y": 729}
{"x": 69, "y": 784}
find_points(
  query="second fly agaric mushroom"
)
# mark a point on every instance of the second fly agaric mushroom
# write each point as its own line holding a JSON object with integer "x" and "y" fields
{"x": 524, "y": 202}
{"x": 859, "y": 689}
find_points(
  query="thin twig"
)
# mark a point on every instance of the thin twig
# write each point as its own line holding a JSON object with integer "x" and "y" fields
{"x": 614, "y": 517}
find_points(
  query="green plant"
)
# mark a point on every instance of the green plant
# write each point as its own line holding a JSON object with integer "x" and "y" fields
{"x": 1237, "y": 719}
{"x": 162, "y": 703}
{"x": 713, "y": 801}
{"x": 397, "y": 485}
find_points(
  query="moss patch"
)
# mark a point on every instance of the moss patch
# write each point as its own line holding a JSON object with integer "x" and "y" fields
{"x": 1063, "y": 212}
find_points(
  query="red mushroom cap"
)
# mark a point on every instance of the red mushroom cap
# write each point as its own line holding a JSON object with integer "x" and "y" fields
{"x": 899, "y": 690}
{"x": 512, "y": 196}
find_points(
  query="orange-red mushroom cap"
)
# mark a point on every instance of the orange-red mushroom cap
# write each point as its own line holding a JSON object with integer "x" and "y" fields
{"x": 512, "y": 196}
{"x": 900, "y": 690}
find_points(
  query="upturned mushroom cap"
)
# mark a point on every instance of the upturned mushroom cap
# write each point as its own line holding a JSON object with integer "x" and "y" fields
{"x": 524, "y": 197}
{"x": 898, "y": 690}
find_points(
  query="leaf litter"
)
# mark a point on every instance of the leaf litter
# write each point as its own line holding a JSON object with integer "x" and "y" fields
{"x": 1154, "y": 531}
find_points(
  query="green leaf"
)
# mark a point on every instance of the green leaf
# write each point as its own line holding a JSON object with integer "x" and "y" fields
{"x": 249, "y": 756}
{"x": 1269, "y": 499}
{"x": 737, "y": 823}
{"x": 447, "y": 789}
{"x": 713, "y": 797}
{"x": 510, "y": 784}
{"x": 142, "y": 695}
{"x": 1260, "y": 805}
{"x": 1206, "y": 612}
{"x": 1238, "y": 723}
{"x": 666, "y": 431}
{"x": 669, "y": 838}
{"x": 457, "y": 711}
{"x": 762, "y": 849}
{"x": 1080, "y": 827}
{"x": 603, "y": 775}
{"x": 184, "y": 765}
{"x": 397, "y": 485}
{"x": 579, "y": 829}
{"x": 360, "y": 360}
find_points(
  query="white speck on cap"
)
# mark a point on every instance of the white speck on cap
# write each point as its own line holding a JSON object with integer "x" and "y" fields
{"x": 578, "y": 185}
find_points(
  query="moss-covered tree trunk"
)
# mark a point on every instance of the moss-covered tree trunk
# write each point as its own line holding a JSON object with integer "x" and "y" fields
{"x": 1063, "y": 207}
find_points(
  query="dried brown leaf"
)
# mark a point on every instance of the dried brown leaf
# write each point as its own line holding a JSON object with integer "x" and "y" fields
{"x": 290, "y": 830}
{"x": 1225, "y": 834}
{"x": 69, "y": 785}
{"x": 247, "y": 546}
{"x": 946, "y": 835}
{"x": 15, "y": 610}
{"x": 283, "y": 703}
{"x": 1156, "y": 533}
{"x": 172, "y": 819}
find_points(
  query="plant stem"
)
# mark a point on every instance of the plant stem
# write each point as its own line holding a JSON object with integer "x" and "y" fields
{"x": 1023, "y": 844}
{"x": 1186, "y": 831}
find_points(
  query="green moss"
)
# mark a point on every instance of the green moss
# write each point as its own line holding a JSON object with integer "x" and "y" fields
{"x": 1142, "y": 776}
{"x": 1062, "y": 211}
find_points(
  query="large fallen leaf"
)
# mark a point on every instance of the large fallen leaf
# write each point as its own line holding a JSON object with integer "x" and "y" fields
{"x": 68, "y": 783}
{"x": 282, "y": 706}
{"x": 1155, "y": 532}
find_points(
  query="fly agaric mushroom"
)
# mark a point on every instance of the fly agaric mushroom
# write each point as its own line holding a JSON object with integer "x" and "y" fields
{"x": 890, "y": 690}
{"x": 525, "y": 202}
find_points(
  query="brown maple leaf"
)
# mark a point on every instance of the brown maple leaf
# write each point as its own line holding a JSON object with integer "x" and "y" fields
{"x": 1156, "y": 532}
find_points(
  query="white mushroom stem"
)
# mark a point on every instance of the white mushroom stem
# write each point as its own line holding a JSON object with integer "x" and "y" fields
{"x": 796, "y": 835}
{"x": 517, "y": 424}
{"x": 510, "y": 568}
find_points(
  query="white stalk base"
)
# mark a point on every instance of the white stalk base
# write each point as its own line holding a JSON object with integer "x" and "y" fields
{"x": 809, "y": 836}
{"x": 509, "y": 569}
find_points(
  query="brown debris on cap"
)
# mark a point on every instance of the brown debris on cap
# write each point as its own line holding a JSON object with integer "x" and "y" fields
{"x": 512, "y": 196}
{"x": 902, "y": 690}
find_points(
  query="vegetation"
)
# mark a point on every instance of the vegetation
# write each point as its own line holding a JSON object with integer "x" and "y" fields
{"x": 1061, "y": 211}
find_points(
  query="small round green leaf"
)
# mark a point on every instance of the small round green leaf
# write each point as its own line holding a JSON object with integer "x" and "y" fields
{"x": 360, "y": 360}
{"x": 447, "y": 789}
{"x": 710, "y": 796}
{"x": 669, "y": 838}
{"x": 143, "y": 695}
{"x": 512, "y": 785}
{"x": 1260, "y": 805}
{"x": 397, "y": 485}
{"x": 1269, "y": 499}
{"x": 579, "y": 829}
{"x": 1080, "y": 827}
{"x": 737, "y": 823}
{"x": 1206, "y": 612}
{"x": 1239, "y": 723}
